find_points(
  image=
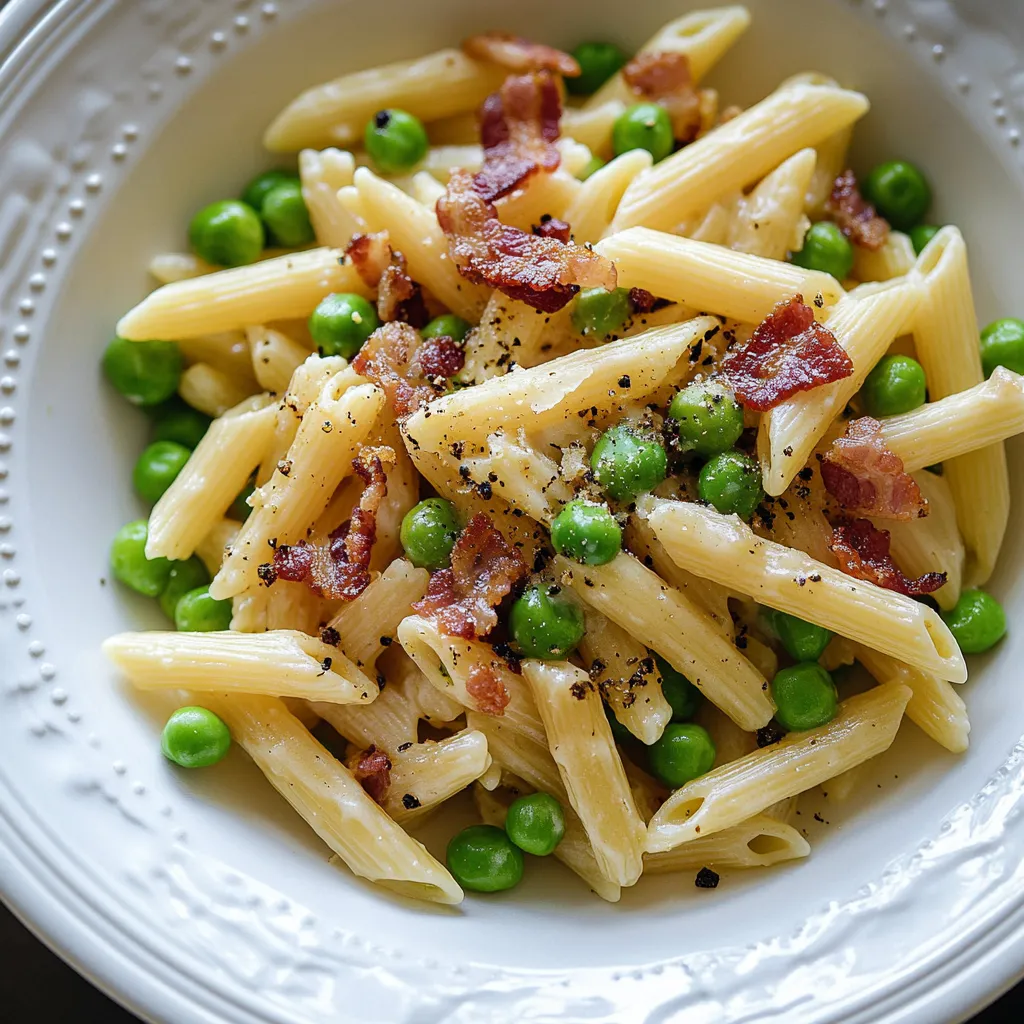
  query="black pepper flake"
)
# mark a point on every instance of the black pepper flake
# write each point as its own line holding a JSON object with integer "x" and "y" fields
{"x": 706, "y": 879}
{"x": 409, "y": 802}
{"x": 815, "y": 577}
{"x": 330, "y": 636}
{"x": 485, "y": 491}
{"x": 741, "y": 642}
{"x": 769, "y": 734}
{"x": 819, "y": 300}
{"x": 578, "y": 690}
{"x": 457, "y": 448}
{"x": 402, "y": 747}
{"x": 267, "y": 573}
{"x": 464, "y": 471}
{"x": 386, "y": 641}
{"x": 325, "y": 666}
{"x": 695, "y": 350}
{"x": 624, "y": 381}
{"x": 382, "y": 119}
{"x": 788, "y": 451}
{"x": 806, "y": 474}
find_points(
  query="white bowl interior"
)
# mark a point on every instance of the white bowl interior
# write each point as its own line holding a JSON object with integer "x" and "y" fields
{"x": 83, "y": 441}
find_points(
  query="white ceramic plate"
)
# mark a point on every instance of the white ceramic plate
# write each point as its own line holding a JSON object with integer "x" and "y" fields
{"x": 202, "y": 898}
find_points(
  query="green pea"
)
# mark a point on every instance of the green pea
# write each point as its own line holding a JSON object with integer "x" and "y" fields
{"x": 130, "y": 565}
{"x": 429, "y": 532}
{"x": 157, "y": 467}
{"x": 1002, "y": 344}
{"x": 341, "y": 323}
{"x": 545, "y": 624}
{"x": 802, "y": 640}
{"x": 395, "y": 140}
{"x": 897, "y": 384}
{"x": 197, "y": 612}
{"x": 447, "y": 325}
{"x": 257, "y": 189}
{"x": 731, "y": 482}
{"x": 709, "y": 418}
{"x": 592, "y": 166}
{"x": 195, "y": 738}
{"x": 228, "y": 233}
{"x": 683, "y": 752}
{"x": 899, "y": 192}
{"x": 185, "y": 576}
{"x": 921, "y": 235}
{"x": 285, "y": 214}
{"x": 826, "y": 249}
{"x": 536, "y": 823}
{"x": 627, "y": 463}
{"x": 805, "y": 697}
{"x": 482, "y": 858}
{"x": 145, "y": 372}
{"x": 598, "y": 62}
{"x": 240, "y": 508}
{"x": 601, "y": 313}
{"x": 175, "y": 420}
{"x": 586, "y": 532}
{"x": 977, "y": 621}
{"x": 643, "y": 126}
{"x": 681, "y": 694}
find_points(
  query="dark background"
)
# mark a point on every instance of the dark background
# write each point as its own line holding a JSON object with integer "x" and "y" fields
{"x": 37, "y": 988}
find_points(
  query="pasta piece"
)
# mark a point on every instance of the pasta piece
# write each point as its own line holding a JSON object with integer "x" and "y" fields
{"x": 427, "y": 774}
{"x": 977, "y": 417}
{"x": 227, "y": 352}
{"x": 415, "y": 232}
{"x": 770, "y": 221}
{"x": 592, "y": 210}
{"x": 334, "y": 114}
{"x": 935, "y": 707}
{"x": 292, "y": 606}
{"x": 275, "y": 358}
{"x": 865, "y": 726}
{"x": 894, "y": 259}
{"x": 625, "y": 675}
{"x": 278, "y": 289}
{"x": 168, "y": 267}
{"x": 581, "y": 742}
{"x": 731, "y": 742}
{"x": 196, "y": 502}
{"x": 592, "y": 125}
{"x": 758, "y": 842}
{"x": 550, "y": 195}
{"x": 865, "y": 323}
{"x": 211, "y": 549}
{"x": 665, "y": 621}
{"x": 714, "y": 225}
{"x": 211, "y": 390}
{"x": 703, "y": 36}
{"x": 280, "y": 663}
{"x": 249, "y": 611}
{"x": 932, "y": 544}
{"x": 335, "y": 806}
{"x": 946, "y": 336}
{"x": 323, "y": 173}
{"x": 710, "y": 277}
{"x": 725, "y": 549}
{"x": 737, "y": 154}
{"x": 426, "y": 189}
{"x": 553, "y": 393}
{"x": 329, "y": 437}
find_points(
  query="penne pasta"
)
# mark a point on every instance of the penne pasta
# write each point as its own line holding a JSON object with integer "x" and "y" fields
{"x": 593, "y": 208}
{"x": 865, "y": 726}
{"x": 323, "y": 173}
{"x": 894, "y": 259}
{"x": 212, "y": 391}
{"x": 725, "y": 549}
{"x": 275, "y": 358}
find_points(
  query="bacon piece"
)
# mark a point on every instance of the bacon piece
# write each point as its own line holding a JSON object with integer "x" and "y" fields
{"x": 399, "y": 297}
{"x": 664, "y": 77}
{"x": 373, "y": 773}
{"x": 863, "y": 552}
{"x": 389, "y": 359}
{"x": 487, "y": 690}
{"x": 641, "y": 300}
{"x": 518, "y": 54}
{"x": 865, "y": 476}
{"x": 440, "y": 357}
{"x": 542, "y": 272}
{"x": 854, "y": 215}
{"x": 362, "y": 527}
{"x": 519, "y": 126}
{"x": 370, "y": 255}
{"x": 552, "y": 227}
{"x": 484, "y": 569}
{"x": 788, "y": 352}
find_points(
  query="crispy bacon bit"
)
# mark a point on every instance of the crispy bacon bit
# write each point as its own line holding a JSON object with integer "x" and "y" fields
{"x": 854, "y": 215}
{"x": 487, "y": 691}
{"x": 339, "y": 568}
{"x": 542, "y": 272}
{"x": 518, "y": 54}
{"x": 663, "y": 76}
{"x": 519, "y": 126}
{"x": 788, "y": 352}
{"x": 552, "y": 227}
{"x": 866, "y": 477}
{"x": 370, "y": 255}
{"x": 863, "y": 552}
{"x": 389, "y": 359}
{"x": 373, "y": 773}
{"x": 484, "y": 569}
{"x": 641, "y": 300}
{"x": 399, "y": 297}
{"x": 440, "y": 357}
